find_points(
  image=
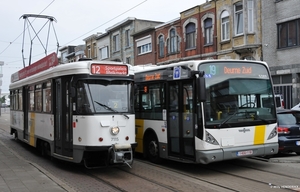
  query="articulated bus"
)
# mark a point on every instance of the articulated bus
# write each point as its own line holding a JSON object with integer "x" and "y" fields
{"x": 205, "y": 111}
{"x": 81, "y": 112}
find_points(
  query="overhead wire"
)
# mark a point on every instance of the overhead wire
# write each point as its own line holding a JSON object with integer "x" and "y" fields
{"x": 84, "y": 33}
{"x": 23, "y": 31}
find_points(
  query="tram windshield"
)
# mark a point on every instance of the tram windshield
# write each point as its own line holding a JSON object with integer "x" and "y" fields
{"x": 100, "y": 96}
{"x": 238, "y": 95}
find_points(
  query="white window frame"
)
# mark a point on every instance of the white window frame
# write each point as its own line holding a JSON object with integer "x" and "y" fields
{"x": 144, "y": 45}
{"x": 173, "y": 41}
{"x": 103, "y": 52}
{"x": 238, "y": 19}
{"x": 250, "y": 5}
{"x": 208, "y": 32}
{"x": 89, "y": 51}
{"x": 146, "y": 48}
{"x": 127, "y": 37}
{"x": 95, "y": 50}
{"x": 116, "y": 42}
{"x": 225, "y": 26}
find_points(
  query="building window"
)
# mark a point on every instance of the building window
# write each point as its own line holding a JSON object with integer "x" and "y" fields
{"x": 250, "y": 16}
{"x": 144, "y": 45}
{"x": 89, "y": 55}
{"x": 104, "y": 52}
{"x": 238, "y": 19}
{"x": 225, "y": 26}
{"x": 190, "y": 36}
{"x": 172, "y": 42}
{"x": 127, "y": 38}
{"x": 289, "y": 34}
{"x": 63, "y": 57}
{"x": 95, "y": 50}
{"x": 208, "y": 30}
{"x": 161, "y": 45}
{"x": 145, "y": 48}
{"x": 128, "y": 60}
{"x": 116, "y": 43}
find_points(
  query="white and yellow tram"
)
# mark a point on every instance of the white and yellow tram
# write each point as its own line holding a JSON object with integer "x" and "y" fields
{"x": 80, "y": 112}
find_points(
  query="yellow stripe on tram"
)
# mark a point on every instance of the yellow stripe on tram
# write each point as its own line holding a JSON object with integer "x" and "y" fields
{"x": 259, "y": 135}
{"x": 32, "y": 129}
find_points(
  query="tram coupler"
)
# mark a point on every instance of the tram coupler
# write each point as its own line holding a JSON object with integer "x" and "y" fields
{"x": 122, "y": 153}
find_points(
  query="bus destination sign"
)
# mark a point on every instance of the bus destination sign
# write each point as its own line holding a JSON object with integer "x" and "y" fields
{"x": 107, "y": 69}
{"x": 234, "y": 69}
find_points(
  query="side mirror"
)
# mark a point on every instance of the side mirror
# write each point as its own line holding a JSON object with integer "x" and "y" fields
{"x": 201, "y": 88}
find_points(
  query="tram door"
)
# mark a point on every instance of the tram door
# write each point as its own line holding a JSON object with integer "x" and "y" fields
{"x": 63, "y": 130}
{"x": 181, "y": 131}
{"x": 25, "y": 96}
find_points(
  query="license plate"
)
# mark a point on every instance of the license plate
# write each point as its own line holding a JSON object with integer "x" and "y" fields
{"x": 242, "y": 153}
{"x": 298, "y": 143}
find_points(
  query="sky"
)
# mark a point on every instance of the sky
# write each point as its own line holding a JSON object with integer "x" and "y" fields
{"x": 74, "y": 21}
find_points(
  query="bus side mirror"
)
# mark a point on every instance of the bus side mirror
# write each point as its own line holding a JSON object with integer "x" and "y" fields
{"x": 201, "y": 88}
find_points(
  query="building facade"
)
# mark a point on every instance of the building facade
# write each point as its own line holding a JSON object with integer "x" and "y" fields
{"x": 144, "y": 46}
{"x": 281, "y": 46}
{"x": 239, "y": 29}
{"x": 121, "y": 40}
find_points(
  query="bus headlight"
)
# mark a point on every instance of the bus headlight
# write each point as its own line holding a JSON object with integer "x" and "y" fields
{"x": 273, "y": 133}
{"x": 210, "y": 139}
{"x": 114, "y": 130}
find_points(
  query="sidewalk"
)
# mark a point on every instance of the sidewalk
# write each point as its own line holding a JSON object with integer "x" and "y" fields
{"x": 19, "y": 175}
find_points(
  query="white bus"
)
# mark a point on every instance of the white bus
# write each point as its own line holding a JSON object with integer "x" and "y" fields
{"x": 205, "y": 111}
{"x": 80, "y": 112}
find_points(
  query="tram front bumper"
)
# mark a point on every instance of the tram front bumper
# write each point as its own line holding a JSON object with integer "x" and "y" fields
{"x": 122, "y": 153}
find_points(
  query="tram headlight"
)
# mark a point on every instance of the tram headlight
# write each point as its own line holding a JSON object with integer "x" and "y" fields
{"x": 115, "y": 130}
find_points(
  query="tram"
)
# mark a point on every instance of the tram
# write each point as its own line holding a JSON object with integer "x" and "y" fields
{"x": 80, "y": 112}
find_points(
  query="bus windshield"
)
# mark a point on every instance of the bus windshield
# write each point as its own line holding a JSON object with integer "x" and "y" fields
{"x": 100, "y": 96}
{"x": 238, "y": 95}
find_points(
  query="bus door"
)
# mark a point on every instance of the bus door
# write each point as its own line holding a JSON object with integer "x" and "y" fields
{"x": 63, "y": 117}
{"x": 180, "y": 123}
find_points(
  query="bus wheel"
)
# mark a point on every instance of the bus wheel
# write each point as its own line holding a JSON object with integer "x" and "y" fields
{"x": 152, "y": 149}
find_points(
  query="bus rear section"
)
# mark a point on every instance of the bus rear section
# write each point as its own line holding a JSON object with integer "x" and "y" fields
{"x": 185, "y": 115}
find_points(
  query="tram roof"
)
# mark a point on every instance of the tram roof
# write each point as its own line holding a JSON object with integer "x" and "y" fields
{"x": 79, "y": 67}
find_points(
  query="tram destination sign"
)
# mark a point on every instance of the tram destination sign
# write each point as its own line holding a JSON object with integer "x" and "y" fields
{"x": 43, "y": 64}
{"x": 109, "y": 69}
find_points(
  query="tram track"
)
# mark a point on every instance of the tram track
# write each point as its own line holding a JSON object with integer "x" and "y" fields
{"x": 237, "y": 180}
{"x": 235, "y": 175}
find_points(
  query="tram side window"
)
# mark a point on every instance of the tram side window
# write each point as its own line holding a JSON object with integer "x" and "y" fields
{"x": 31, "y": 98}
{"x": 12, "y": 100}
{"x": 20, "y": 99}
{"x": 16, "y": 100}
{"x": 47, "y": 98}
{"x": 38, "y": 98}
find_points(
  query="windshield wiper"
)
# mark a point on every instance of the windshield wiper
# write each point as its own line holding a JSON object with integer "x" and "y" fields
{"x": 256, "y": 117}
{"x": 111, "y": 109}
{"x": 228, "y": 118}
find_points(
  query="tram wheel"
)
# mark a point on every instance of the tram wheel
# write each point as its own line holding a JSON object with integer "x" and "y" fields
{"x": 152, "y": 149}
{"x": 16, "y": 135}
